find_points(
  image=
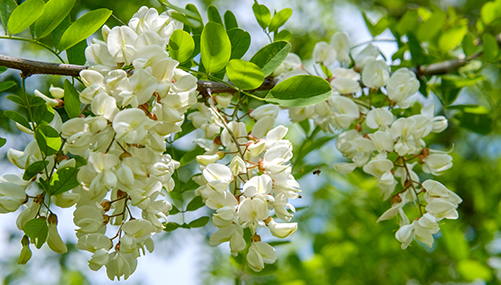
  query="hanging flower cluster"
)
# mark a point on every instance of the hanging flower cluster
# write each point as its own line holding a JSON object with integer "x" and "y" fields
{"x": 383, "y": 142}
{"x": 257, "y": 180}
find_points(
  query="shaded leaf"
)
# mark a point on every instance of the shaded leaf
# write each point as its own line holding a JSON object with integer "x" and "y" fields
{"x": 230, "y": 21}
{"x": 200, "y": 222}
{"x": 240, "y": 42}
{"x": 6, "y": 8}
{"x": 18, "y": 118}
{"x": 72, "y": 103}
{"x": 195, "y": 203}
{"x": 269, "y": 57}
{"x": 55, "y": 11}
{"x": 48, "y": 139}
{"x": 34, "y": 168}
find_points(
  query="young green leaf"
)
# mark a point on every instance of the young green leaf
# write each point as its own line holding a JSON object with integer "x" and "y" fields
{"x": 2, "y": 142}
{"x": 53, "y": 14}
{"x": 215, "y": 47}
{"x": 34, "y": 168}
{"x": 191, "y": 155}
{"x": 72, "y": 103}
{"x": 213, "y": 14}
{"x": 195, "y": 204}
{"x": 76, "y": 53}
{"x": 37, "y": 230}
{"x": 300, "y": 91}
{"x": 468, "y": 45}
{"x": 170, "y": 226}
{"x": 6, "y": 8}
{"x": 279, "y": 19}
{"x": 240, "y": 42}
{"x": 24, "y": 15}
{"x": 18, "y": 118}
{"x": 263, "y": 15}
{"x": 16, "y": 99}
{"x": 48, "y": 139}
{"x": 491, "y": 48}
{"x": 452, "y": 37}
{"x": 83, "y": 28}
{"x": 198, "y": 223}
{"x": 174, "y": 210}
{"x": 432, "y": 26}
{"x": 269, "y": 57}
{"x": 7, "y": 85}
{"x": 230, "y": 21}
{"x": 244, "y": 75}
{"x": 42, "y": 113}
{"x": 64, "y": 179}
{"x": 181, "y": 46}
{"x": 283, "y": 35}
{"x": 196, "y": 30}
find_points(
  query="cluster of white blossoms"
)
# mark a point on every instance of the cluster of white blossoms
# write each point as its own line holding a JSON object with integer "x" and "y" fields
{"x": 137, "y": 97}
{"x": 245, "y": 175}
{"x": 384, "y": 145}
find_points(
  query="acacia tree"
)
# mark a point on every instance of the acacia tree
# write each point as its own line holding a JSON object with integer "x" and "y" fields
{"x": 107, "y": 148}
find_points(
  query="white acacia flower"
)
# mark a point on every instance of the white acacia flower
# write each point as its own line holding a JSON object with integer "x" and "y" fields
{"x": 375, "y": 74}
{"x": 401, "y": 86}
{"x": 259, "y": 254}
{"x": 341, "y": 43}
{"x": 324, "y": 53}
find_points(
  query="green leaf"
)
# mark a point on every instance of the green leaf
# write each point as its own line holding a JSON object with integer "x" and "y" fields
{"x": 170, "y": 226}
{"x": 76, "y": 53}
{"x": 379, "y": 27}
{"x": 300, "y": 91}
{"x": 24, "y": 15}
{"x": 2, "y": 142}
{"x": 42, "y": 113}
{"x": 195, "y": 203}
{"x": 83, "y": 28}
{"x": 59, "y": 30}
{"x": 478, "y": 123}
{"x": 244, "y": 75}
{"x": 186, "y": 128}
{"x": 2, "y": 68}
{"x": 490, "y": 11}
{"x": 72, "y": 103}
{"x": 213, "y": 14}
{"x": 7, "y": 85}
{"x": 174, "y": 210}
{"x": 181, "y": 46}
{"x": 200, "y": 222}
{"x": 263, "y": 15}
{"x": 269, "y": 57}
{"x": 16, "y": 99}
{"x": 192, "y": 23}
{"x": 37, "y": 230}
{"x": 472, "y": 270}
{"x": 191, "y": 155}
{"x": 417, "y": 55}
{"x": 230, "y": 21}
{"x": 64, "y": 179}
{"x": 190, "y": 185}
{"x": 452, "y": 37}
{"x": 432, "y": 26}
{"x": 215, "y": 47}
{"x": 18, "y": 118}
{"x": 48, "y": 139}
{"x": 408, "y": 23}
{"x": 279, "y": 242}
{"x": 55, "y": 11}
{"x": 188, "y": 11}
{"x": 192, "y": 9}
{"x": 469, "y": 46}
{"x": 279, "y": 19}
{"x": 240, "y": 42}
{"x": 491, "y": 48}
{"x": 283, "y": 35}
{"x": 34, "y": 168}
{"x": 6, "y": 8}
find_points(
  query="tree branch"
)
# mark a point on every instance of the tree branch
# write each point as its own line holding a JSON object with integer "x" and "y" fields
{"x": 30, "y": 67}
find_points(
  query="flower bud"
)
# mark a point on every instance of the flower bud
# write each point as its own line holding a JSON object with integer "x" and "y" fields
{"x": 207, "y": 159}
{"x": 237, "y": 165}
{"x": 53, "y": 239}
{"x": 25, "y": 254}
{"x": 282, "y": 230}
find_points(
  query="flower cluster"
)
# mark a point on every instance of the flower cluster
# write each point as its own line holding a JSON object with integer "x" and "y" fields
{"x": 257, "y": 180}
{"x": 385, "y": 144}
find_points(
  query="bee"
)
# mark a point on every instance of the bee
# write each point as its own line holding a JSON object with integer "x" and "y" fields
{"x": 317, "y": 172}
